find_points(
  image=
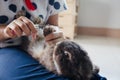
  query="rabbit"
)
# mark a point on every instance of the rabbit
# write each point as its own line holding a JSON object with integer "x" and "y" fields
{"x": 62, "y": 56}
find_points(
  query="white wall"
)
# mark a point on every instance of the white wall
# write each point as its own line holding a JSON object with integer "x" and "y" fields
{"x": 99, "y": 13}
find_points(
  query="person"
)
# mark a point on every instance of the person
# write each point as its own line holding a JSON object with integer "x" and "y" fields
{"x": 15, "y": 63}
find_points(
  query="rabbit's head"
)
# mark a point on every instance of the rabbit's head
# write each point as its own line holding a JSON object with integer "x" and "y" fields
{"x": 71, "y": 60}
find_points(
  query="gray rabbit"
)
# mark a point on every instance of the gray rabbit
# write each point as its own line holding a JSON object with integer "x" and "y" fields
{"x": 62, "y": 56}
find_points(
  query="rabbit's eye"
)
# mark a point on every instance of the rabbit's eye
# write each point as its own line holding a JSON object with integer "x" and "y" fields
{"x": 67, "y": 54}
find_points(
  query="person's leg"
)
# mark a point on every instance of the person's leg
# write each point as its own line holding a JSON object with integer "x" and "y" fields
{"x": 16, "y": 64}
{"x": 98, "y": 77}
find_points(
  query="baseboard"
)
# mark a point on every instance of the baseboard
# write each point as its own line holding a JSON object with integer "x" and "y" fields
{"x": 107, "y": 32}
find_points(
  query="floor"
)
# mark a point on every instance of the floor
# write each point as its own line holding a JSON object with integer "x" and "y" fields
{"x": 104, "y": 52}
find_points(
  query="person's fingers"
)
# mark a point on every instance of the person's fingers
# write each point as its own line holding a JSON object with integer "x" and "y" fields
{"x": 54, "y": 36}
{"x": 54, "y": 41}
{"x": 22, "y": 27}
{"x": 9, "y": 33}
{"x": 29, "y": 24}
{"x": 15, "y": 28}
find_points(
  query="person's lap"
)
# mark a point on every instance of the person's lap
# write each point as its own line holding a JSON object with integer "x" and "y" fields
{"x": 16, "y": 64}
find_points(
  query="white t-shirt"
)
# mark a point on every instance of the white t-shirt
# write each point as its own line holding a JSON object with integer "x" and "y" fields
{"x": 33, "y": 9}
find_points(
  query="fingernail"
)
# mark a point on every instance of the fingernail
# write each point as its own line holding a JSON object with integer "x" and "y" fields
{"x": 13, "y": 32}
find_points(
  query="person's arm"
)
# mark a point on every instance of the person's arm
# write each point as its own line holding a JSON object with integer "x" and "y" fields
{"x": 16, "y": 28}
{"x": 53, "y": 20}
{"x": 58, "y": 35}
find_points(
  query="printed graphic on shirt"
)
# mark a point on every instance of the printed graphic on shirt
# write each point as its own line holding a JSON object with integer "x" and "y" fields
{"x": 34, "y": 10}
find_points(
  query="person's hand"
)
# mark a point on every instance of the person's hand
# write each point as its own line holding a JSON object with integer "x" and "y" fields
{"x": 55, "y": 36}
{"x": 18, "y": 27}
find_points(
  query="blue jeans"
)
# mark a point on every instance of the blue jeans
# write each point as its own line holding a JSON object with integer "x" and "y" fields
{"x": 16, "y": 64}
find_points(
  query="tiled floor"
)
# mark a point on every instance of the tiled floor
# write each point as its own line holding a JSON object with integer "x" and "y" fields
{"x": 104, "y": 52}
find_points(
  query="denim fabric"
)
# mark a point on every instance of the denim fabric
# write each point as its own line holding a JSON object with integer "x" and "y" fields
{"x": 98, "y": 77}
{"x": 16, "y": 64}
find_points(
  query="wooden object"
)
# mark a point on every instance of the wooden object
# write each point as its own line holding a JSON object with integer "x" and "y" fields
{"x": 67, "y": 19}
